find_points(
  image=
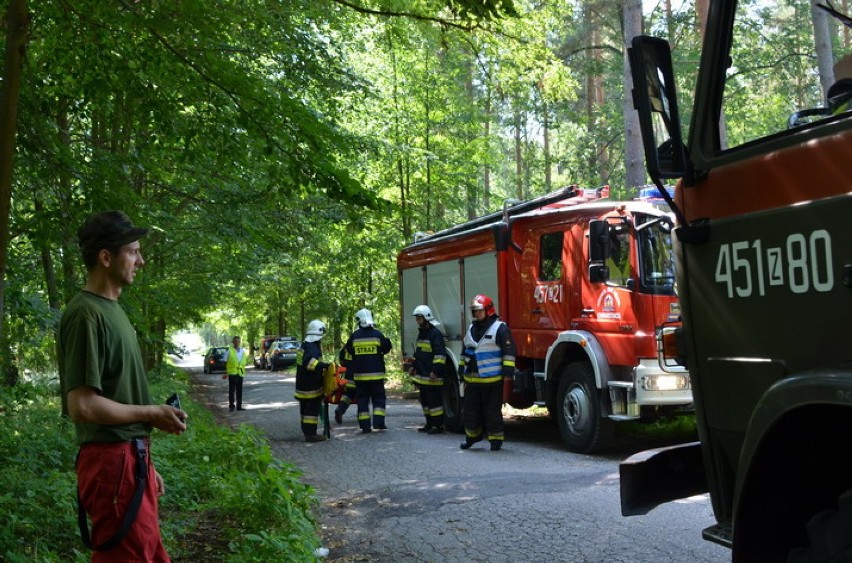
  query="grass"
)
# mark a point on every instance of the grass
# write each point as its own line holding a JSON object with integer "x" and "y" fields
{"x": 227, "y": 497}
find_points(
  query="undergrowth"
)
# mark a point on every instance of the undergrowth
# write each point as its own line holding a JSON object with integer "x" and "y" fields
{"x": 227, "y": 497}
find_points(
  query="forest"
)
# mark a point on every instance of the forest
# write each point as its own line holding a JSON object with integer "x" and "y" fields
{"x": 282, "y": 153}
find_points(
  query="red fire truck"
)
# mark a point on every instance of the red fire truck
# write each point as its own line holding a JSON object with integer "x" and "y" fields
{"x": 585, "y": 284}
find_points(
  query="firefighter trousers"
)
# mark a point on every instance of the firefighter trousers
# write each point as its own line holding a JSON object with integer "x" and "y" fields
{"x": 346, "y": 400}
{"x": 432, "y": 402}
{"x": 309, "y": 410}
{"x": 371, "y": 390}
{"x": 482, "y": 412}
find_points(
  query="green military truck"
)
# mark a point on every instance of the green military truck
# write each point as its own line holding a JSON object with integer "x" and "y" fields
{"x": 764, "y": 270}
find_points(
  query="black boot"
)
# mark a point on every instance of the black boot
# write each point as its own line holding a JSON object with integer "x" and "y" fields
{"x": 468, "y": 443}
{"x": 436, "y": 430}
{"x": 426, "y": 428}
{"x": 496, "y": 445}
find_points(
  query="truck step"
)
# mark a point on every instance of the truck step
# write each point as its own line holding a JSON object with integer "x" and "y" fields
{"x": 721, "y": 533}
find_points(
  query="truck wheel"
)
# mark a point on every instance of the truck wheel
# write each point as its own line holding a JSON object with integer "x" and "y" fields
{"x": 828, "y": 535}
{"x": 579, "y": 413}
{"x": 452, "y": 405}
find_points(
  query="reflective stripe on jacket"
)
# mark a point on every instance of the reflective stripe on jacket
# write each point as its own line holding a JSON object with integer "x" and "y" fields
{"x": 367, "y": 347}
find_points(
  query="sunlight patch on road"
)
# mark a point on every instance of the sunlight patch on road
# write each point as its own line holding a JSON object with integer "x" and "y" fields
{"x": 277, "y": 405}
{"x": 695, "y": 499}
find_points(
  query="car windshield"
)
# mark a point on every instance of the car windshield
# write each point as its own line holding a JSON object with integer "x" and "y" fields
{"x": 290, "y": 345}
{"x": 656, "y": 261}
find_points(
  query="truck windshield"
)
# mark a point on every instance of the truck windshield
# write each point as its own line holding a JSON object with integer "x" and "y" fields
{"x": 656, "y": 262}
{"x": 773, "y": 81}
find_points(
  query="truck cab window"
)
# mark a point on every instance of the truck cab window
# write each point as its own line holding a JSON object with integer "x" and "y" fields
{"x": 773, "y": 81}
{"x": 656, "y": 261}
{"x": 618, "y": 260}
{"x": 550, "y": 260}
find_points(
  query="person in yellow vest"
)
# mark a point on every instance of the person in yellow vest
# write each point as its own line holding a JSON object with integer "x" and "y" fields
{"x": 235, "y": 371}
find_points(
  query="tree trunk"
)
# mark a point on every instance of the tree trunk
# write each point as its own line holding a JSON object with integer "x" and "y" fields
{"x": 70, "y": 253}
{"x": 486, "y": 172}
{"x": 633, "y": 151}
{"x": 519, "y": 162}
{"x": 427, "y": 110}
{"x": 701, "y": 9}
{"x": 404, "y": 204}
{"x": 825, "y": 56}
{"x": 595, "y": 97}
{"x": 17, "y": 30}
{"x": 548, "y": 176}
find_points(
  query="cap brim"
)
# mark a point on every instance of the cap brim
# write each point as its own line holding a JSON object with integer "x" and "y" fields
{"x": 132, "y": 235}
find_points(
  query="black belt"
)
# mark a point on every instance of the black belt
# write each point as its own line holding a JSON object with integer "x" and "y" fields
{"x": 141, "y": 451}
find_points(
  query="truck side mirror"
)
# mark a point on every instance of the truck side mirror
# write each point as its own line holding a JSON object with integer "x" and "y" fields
{"x": 598, "y": 250}
{"x": 655, "y": 99}
{"x": 598, "y": 240}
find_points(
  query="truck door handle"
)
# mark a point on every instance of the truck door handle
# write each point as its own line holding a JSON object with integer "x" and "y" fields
{"x": 537, "y": 311}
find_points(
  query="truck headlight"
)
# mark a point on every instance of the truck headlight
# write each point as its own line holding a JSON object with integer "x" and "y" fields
{"x": 665, "y": 382}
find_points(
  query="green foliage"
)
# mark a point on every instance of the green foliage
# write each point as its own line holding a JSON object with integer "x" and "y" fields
{"x": 670, "y": 430}
{"x": 228, "y": 480}
{"x": 283, "y": 153}
{"x": 38, "y": 505}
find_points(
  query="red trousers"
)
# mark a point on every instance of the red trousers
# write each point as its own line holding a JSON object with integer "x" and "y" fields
{"x": 107, "y": 481}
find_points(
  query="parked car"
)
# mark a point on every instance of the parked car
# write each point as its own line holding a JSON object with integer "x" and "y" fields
{"x": 215, "y": 358}
{"x": 261, "y": 358}
{"x": 282, "y": 353}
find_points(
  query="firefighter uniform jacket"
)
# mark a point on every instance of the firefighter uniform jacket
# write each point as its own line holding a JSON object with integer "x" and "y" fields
{"x": 309, "y": 370}
{"x": 430, "y": 356}
{"x": 489, "y": 352}
{"x": 367, "y": 348}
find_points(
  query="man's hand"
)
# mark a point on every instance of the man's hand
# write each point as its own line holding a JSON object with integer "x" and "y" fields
{"x": 169, "y": 419}
{"x": 432, "y": 376}
{"x": 224, "y": 376}
{"x": 161, "y": 485}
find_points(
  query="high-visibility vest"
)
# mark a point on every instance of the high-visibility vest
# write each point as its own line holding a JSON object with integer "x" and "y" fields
{"x": 489, "y": 356}
{"x": 236, "y": 366}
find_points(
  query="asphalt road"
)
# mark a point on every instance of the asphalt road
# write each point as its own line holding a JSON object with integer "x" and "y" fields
{"x": 400, "y": 495}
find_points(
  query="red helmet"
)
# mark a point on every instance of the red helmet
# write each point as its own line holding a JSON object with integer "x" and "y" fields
{"x": 481, "y": 302}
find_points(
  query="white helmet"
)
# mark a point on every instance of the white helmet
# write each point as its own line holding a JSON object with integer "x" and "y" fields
{"x": 425, "y": 312}
{"x": 316, "y": 330}
{"x": 364, "y": 318}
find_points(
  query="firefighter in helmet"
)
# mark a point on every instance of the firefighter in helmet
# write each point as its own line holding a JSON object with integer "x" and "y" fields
{"x": 367, "y": 348}
{"x": 488, "y": 358}
{"x": 309, "y": 370}
{"x": 427, "y": 369}
{"x": 349, "y": 391}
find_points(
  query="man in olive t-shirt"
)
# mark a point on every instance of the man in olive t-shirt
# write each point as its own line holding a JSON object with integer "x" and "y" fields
{"x": 105, "y": 393}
